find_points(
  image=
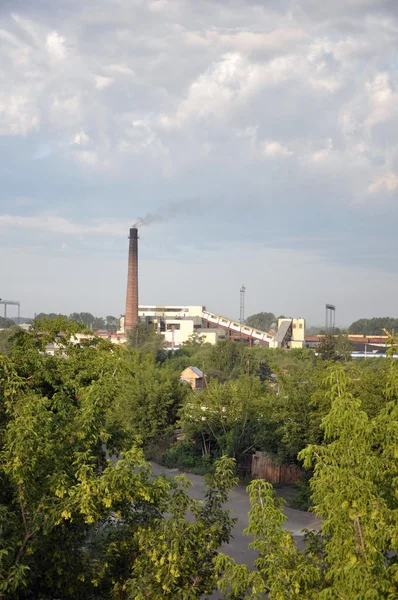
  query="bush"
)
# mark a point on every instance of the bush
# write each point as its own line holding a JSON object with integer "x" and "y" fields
{"x": 302, "y": 499}
{"x": 187, "y": 456}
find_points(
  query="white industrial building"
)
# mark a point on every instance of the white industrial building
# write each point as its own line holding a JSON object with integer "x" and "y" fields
{"x": 178, "y": 323}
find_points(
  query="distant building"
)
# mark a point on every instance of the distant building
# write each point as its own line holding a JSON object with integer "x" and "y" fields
{"x": 194, "y": 377}
{"x": 177, "y": 323}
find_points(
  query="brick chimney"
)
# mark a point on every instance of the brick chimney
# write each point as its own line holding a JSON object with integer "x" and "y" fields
{"x": 131, "y": 318}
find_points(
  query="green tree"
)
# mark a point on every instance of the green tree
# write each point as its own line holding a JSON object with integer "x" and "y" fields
{"x": 263, "y": 321}
{"x": 354, "y": 492}
{"x": 227, "y": 359}
{"x": 5, "y": 323}
{"x": 145, "y": 338}
{"x": 6, "y": 338}
{"x": 112, "y": 323}
{"x": 374, "y": 326}
{"x": 148, "y": 399}
{"x": 228, "y": 418}
{"x": 194, "y": 341}
{"x": 74, "y": 524}
{"x": 327, "y": 347}
{"x": 343, "y": 347}
{"x": 295, "y": 410}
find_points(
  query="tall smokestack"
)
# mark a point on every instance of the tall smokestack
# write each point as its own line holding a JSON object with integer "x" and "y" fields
{"x": 131, "y": 317}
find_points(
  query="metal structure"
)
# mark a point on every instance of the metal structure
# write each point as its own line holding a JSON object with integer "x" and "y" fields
{"x": 11, "y": 302}
{"x": 330, "y": 317}
{"x": 242, "y": 305}
{"x": 237, "y": 328}
{"x": 131, "y": 317}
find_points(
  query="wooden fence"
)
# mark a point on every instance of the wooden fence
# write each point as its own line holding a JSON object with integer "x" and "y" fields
{"x": 265, "y": 467}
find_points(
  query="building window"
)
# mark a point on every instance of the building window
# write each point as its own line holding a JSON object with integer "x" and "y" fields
{"x": 300, "y": 325}
{"x": 175, "y": 326}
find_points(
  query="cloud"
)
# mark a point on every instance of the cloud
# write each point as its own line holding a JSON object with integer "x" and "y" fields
{"x": 102, "y": 82}
{"x": 55, "y": 45}
{"x": 274, "y": 149}
{"x": 260, "y": 110}
{"x": 388, "y": 181}
{"x": 53, "y": 224}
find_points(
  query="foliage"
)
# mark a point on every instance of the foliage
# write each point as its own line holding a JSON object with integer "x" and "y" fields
{"x": 188, "y": 456}
{"x": 195, "y": 340}
{"x": 5, "y": 322}
{"x": 91, "y": 322}
{"x": 145, "y": 338}
{"x": 296, "y": 410}
{"x": 374, "y": 326}
{"x": 354, "y": 493}
{"x": 263, "y": 321}
{"x": 147, "y": 400}
{"x": 229, "y": 359}
{"x": 327, "y": 347}
{"x": 73, "y": 523}
{"x": 343, "y": 347}
{"x": 230, "y": 418}
{"x": 6, "y": 338}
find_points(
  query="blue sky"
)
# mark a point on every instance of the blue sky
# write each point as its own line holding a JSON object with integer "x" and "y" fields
{"x": 263, "y": 134}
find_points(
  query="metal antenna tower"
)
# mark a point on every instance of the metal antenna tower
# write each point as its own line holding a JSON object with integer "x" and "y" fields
{"x": 242, "y": 305}
{"x": 330, "y": 317}
{"x": 11, "y": 302}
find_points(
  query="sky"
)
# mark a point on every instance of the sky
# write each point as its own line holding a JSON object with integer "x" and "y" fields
{"x": 261, "y": 135}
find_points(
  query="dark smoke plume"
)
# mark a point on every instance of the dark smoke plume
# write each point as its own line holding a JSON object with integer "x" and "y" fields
{"x": 182, "y": 207}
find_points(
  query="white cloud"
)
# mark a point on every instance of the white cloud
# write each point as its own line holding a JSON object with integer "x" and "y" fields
{"x": 324, "y": 153}
{"x": 80, "y": 139}
{"x": 55, "y": 45}
{"x": 383, "y": 100}
{"x": 181, "y": 95}
{"x": 18, "y": 114}
{"x": 122, "y": 69}
{"x": 53, "y": 224}
{"x": 102, "y": 82}
{"x": 275, "y": 149}
{"x": 388, "y": 182}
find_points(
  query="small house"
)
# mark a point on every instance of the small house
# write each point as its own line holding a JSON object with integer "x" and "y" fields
{"x": 194, "y": 376}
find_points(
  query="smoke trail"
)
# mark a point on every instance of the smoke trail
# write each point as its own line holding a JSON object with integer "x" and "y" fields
{"x": 181, "y": 207}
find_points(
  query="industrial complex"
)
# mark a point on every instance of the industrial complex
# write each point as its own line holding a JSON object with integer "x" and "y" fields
{"x": 179, "y": 323}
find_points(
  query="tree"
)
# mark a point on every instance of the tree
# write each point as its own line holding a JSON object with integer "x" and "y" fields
{"x": 227, "y": 359}
{"x": 374, "y": 326}
{"x": 344, "y": 347}
{"x": 296, "y": 412}
{"x": 148, "y": 400}
{"x": 6, "y": 338}
{"x": 145, "y": 338}
{"x": 327, "y": 347}
{"x": 263, "y": 321}
{"x": 228, "y": 417}
{"x": 5, "y": 323}
{"x": 74, "y": 524}
{"x": 112, "y": 323}
{"x": 194, "y": 341}
{"x": 354, "y": 492}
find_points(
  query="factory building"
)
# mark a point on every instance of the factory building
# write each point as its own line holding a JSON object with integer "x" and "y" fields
{"x": 177, "y": 323}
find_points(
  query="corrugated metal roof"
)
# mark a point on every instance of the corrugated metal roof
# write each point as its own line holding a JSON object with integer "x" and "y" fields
{"x": 197, "y": 371}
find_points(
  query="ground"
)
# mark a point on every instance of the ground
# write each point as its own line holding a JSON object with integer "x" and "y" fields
{"x": 239, "y": 504}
